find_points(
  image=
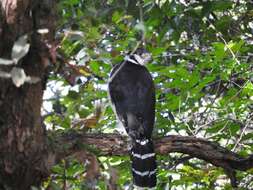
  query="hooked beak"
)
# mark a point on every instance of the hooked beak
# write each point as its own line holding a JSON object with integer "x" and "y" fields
{"x": 146, "y": 57}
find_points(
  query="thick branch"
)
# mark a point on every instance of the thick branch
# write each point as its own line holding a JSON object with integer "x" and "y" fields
{"x": 115, "y": 144}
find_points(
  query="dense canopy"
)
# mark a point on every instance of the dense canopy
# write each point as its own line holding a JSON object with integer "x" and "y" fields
{"x": 202, "y": 66}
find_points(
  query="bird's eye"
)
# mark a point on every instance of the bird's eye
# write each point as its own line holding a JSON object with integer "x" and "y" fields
{"x": 146, "y": 56}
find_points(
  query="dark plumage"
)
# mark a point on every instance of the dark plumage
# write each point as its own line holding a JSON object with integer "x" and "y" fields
{"x": 132, "y": 94}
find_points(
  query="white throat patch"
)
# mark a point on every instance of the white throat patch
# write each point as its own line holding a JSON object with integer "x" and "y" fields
{"x": 138, "y": 60}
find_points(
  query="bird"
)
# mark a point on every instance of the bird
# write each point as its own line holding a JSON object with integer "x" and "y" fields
{"x": 132, "y": 95}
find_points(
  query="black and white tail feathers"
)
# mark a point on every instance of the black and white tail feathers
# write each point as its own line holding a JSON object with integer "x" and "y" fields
{"x": 143, "y": 163}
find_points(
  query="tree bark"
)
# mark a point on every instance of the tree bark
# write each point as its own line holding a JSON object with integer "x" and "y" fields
{"x": 115, "y": 144}
{"x": 23, "y": 149}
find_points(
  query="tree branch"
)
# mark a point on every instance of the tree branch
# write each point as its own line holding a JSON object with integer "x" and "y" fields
{"x": 115, "y": 144}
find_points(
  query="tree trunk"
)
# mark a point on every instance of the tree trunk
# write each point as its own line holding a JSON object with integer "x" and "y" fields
{"x": 23, "y": 152}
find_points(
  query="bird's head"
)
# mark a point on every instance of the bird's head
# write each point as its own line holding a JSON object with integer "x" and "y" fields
{"x": 142, "y": 56}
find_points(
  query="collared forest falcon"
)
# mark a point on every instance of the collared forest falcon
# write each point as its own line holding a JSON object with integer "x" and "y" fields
{"x": 132, "y": 94}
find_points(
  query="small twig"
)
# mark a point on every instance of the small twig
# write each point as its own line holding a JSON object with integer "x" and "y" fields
{"x": 141, "y": 20}
{"x": 223, "y": 39}
{"x": 181, "y": 160}
{"x": 245, "y": 84}
{"x": 219, "y": 132}
{"x": 242, "y": 133}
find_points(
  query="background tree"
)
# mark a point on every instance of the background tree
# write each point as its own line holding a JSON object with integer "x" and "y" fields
{"x": 202, "y": 67}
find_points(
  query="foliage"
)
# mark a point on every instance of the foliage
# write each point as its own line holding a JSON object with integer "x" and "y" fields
{"x": 202, "y": 68}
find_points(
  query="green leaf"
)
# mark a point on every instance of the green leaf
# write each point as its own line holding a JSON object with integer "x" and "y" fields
{"x": 248, "y": 89}
{"x": 219, "y": 50}
{"x": 221, "y": 5}
{"x": 55, "y": 186}
{"x": 234, "y": 128}
{"x": 116, "y": 17}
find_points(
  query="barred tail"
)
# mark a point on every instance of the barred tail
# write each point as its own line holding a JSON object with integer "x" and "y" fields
{"x": 143, "y": 163}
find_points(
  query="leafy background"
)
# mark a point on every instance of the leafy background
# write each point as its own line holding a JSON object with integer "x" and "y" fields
{"x": 202, "y": 68}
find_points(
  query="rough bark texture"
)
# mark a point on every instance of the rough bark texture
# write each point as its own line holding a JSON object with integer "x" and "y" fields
{"x": 114, "y": 144}
{"x": 117, "y": 145}
{"x": 23, "y": 150}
